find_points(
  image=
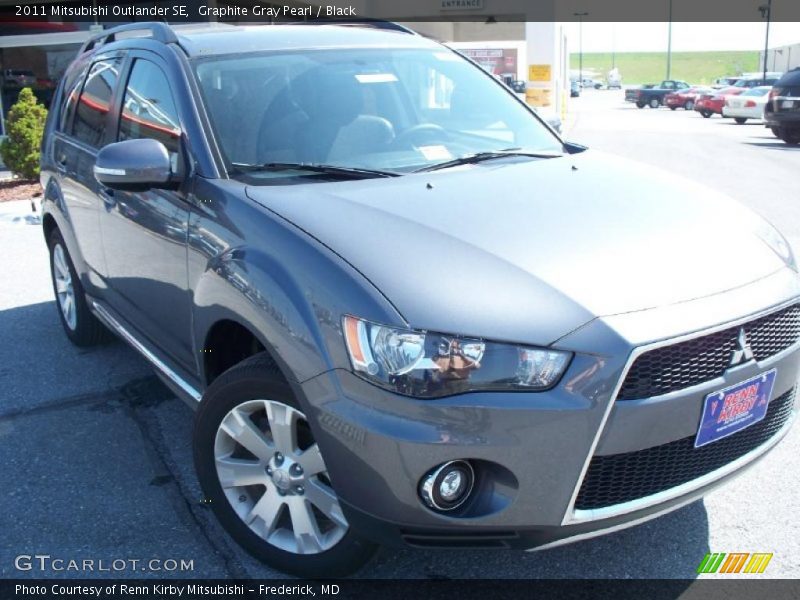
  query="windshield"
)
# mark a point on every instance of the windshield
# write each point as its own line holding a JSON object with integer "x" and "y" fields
{"x": 392, "y": 110}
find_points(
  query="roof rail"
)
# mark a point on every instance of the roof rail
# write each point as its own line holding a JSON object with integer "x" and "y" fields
{"x": 160, "y": 32}
{"x": 360, "y": 22}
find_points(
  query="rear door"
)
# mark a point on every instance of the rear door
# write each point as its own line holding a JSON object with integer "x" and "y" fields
{"x": 145, "y": 233}
{"x": 83, "y": 130}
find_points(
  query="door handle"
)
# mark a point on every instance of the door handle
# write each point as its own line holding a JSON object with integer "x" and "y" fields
{"x": 61, "y": 161}
{"x": 107, "y": 195}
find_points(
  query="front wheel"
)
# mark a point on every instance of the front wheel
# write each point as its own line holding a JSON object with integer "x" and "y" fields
{"x": 265, "y": 475}
{"x": 689, "y": 105}
{"x": 654, "y": 103}
{"x": 740, "y": 120}
{"x": 640, "y": 105}
{"x": 706, "y": 113}
{"x": 673, "y": 107}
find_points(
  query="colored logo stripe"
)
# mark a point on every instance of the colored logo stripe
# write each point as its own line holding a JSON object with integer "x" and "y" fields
{"x": 711, "y": 562}
{"x": 758, "y": 563}
{"x": 714, "y": 562}
{"x": 734, "y": 562}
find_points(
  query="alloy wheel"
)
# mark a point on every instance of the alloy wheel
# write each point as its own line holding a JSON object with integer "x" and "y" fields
{"x": 65, "y": 292}
{"x": 273, "y": 474}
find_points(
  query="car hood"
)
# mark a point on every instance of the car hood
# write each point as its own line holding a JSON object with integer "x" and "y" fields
{"x": 528, "y": 251}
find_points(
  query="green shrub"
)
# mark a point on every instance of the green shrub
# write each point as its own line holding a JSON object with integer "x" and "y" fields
{"x": 24, "y": 131}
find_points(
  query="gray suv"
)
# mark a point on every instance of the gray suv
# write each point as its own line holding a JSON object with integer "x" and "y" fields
{"x": 406, "y": 311}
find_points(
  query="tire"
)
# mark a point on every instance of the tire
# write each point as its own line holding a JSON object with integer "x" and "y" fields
{"x": 689, "y": 105}
{"x": 81, "y": 326}
{"x": 740, "y": 120}
{"x": 775, "y": 131}
{"x": 654, "y": 103}
{"x": 254, "y": 393}
{"x": 790, "y": 136}
{"x": 706, "y": 113}
{"x": 640, "y": 104}
{"x": 673, "y": 107}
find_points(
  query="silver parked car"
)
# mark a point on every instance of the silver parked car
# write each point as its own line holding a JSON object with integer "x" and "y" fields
{"x": 406, "y": 310}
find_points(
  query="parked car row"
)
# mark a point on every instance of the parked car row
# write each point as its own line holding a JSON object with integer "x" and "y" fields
{"x": 774, "y": 100}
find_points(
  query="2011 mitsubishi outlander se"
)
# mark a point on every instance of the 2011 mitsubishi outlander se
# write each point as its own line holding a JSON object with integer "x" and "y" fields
{"x": 407, "y": 311}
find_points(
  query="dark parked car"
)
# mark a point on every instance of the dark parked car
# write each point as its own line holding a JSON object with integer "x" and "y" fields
{"x": 782, "y": 112}
{"x": 405, "y": 310}
{"x": 751, "y": 81}
{"x": 652, "y": 95}
{"x": 519, "y": 86}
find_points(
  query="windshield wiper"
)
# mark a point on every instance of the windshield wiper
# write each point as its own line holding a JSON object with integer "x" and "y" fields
{"x": 471, "y": 159}
{"x": 353, "y": 172}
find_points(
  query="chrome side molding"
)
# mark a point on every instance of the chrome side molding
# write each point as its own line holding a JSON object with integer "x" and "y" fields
{"x": 159, "y": 364}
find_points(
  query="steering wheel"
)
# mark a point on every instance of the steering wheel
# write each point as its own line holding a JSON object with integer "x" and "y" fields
{"x": 420, "y": 133}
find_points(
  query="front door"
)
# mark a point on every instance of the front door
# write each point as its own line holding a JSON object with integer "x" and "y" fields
{"x": 145, "y": 233}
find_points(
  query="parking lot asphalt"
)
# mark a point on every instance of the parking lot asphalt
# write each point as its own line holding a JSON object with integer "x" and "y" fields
{"x": 96, "y": 453}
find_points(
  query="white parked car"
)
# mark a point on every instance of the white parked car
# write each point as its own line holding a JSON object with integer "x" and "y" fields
{"x": 748, "y": 105}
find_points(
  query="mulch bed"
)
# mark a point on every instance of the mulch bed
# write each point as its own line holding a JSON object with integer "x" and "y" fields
{"x": 17, "y": 189}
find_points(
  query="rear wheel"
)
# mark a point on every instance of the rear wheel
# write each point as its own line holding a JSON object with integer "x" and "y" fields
{"x": 265, "y": 476}
{"x": 740, "y": 120}
{"x": 689, "y": 105}
{"x": 80, "y": 325}
{"x": 706, "y": 113}
{"x": 790, "y": 136}
{"x": 673, "y": 107}
{"x": 655, "y": 103}
{"x": 775, "y": 131}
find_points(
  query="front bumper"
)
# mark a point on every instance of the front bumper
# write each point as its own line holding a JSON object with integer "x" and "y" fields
{"x": 534, "y": 449}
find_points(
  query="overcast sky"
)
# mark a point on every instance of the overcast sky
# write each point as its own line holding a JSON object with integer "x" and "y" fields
{"x": 686, "y": 37}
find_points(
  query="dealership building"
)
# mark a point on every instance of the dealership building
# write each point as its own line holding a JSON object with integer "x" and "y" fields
{"x": 35, "y": 50}
{"x": 782, "y": 58}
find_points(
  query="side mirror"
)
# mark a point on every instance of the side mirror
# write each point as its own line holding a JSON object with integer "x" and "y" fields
{"x": 133, "y": 165}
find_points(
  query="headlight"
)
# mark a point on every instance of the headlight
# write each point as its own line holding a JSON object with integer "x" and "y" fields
{"x": 431, "y": 365}
{"x": 777, "y": 243}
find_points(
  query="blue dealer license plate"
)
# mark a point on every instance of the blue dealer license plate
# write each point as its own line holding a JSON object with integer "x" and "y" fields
{"x": 730, "y": 410}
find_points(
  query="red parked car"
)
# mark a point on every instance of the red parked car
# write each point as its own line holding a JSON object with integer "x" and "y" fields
{"x": 685, "y": 98}
{"x": 713, "y": 101}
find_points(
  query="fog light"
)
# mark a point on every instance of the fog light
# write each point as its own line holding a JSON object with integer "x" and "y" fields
{"x": 448, "y": 486}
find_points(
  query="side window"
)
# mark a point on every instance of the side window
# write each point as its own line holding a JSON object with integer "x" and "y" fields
{"x": 95, "y": 102}
{"x": 70, "y": 100}
{"x": 148, "y": 110}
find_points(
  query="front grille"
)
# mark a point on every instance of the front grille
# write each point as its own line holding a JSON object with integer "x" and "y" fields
{"x": 619, "y": 478}
{"x": 701, "y": 359}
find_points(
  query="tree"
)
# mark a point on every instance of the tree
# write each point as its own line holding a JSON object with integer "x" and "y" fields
{"x": 24, "y": 131}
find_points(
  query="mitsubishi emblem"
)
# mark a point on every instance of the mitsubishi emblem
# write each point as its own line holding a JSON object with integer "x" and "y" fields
{"x": 742, "y": 353}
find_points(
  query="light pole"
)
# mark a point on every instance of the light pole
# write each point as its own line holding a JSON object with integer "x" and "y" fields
{"x": 669, "y": 43}
{"x": 580, "y": 16}
{"x": 766, "y": 13}
{"x": 613, "y": 46}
